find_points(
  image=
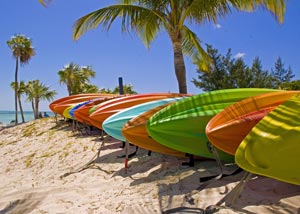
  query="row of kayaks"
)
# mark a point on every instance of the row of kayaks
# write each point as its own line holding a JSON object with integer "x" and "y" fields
{"x": 256, "y": 128}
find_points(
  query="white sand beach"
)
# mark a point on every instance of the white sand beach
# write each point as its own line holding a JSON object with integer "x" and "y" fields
{"x": 42, "y": 172}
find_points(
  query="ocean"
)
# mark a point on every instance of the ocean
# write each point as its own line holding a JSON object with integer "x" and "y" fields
{"x": 7, "y": 116}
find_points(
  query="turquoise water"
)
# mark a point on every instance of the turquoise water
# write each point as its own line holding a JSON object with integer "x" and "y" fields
{"x": 7, "y": 116}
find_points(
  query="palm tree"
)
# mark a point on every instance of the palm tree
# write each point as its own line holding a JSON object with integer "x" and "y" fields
{"x": 36, "y": 92}
{"x": 148, "y": 17}
{"x": 75, "y": 77}
{"x": 22, "y": 51}
{"x": 21, "y": 91}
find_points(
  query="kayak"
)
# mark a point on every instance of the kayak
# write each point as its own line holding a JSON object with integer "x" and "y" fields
{"x": 272, "y": 147}
{"x": 228, "y": 128}
{"x": 113, "y": 124}
{"x": 135, "y": 131}
{"x": 181, "y": 126}
{"x": 108, "y": 108}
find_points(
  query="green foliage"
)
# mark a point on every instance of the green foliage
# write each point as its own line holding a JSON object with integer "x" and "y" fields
{"x": 147, "y": 18}
{"x": 280, "y": 74}
{"x": 293, "y": 85}
{"x": 227, "y": 72}
{"x": 22, "y": 51}
{"x": 37, "y": 91}
{"x": 77, "y": 79}
{"x": 128, "y": 89}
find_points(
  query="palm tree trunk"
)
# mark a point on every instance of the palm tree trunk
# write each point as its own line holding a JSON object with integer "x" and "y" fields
{"x": 179, "y": 67}
{"x": 36, "y": 108}
{"x": 21, "y": 109}
{"x": 32, "y": 105}
{"x": 16, "y": 90}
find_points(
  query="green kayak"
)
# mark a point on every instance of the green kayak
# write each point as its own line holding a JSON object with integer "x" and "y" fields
{"x": 181, "y": 126}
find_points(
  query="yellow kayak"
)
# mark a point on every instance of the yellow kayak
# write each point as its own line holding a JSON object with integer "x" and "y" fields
{"x": 272, "y": 148}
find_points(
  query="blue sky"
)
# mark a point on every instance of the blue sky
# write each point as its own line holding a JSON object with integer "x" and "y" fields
{"x": 114, "y": 54}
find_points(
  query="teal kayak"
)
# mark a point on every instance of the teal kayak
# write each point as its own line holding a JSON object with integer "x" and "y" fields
{"x": 181, "y": 126}
{"x": 113, "y": 125}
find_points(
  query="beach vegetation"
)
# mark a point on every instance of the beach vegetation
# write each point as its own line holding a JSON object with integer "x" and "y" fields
{"x": 127, "y": 89}
{"x": 20, "y": 92}
{"x": 29, "y": 130}
{"x": 47, "y": 154}
{"x": 22, "y": 51}
{"x": 77, "y": 78}
{"x": 37, "y": 91}
{"x": 29, "y": 159}
{"x": 147, "y": 18}
{"x": 227, "y": 71}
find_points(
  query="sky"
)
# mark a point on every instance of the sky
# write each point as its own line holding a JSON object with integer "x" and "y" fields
{"x": 114, "y": 54}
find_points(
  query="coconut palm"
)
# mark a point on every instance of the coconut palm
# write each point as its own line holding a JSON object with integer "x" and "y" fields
{"x": 148, "y": 17}
{"x": 21, "y": 90}
{"x": 75, "y": 77}
{"x": 37, "y": 91}
{"x": 22, "y": 51}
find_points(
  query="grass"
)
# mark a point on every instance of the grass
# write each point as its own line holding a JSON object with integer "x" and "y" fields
{"x": 29, "y": 131}
{"x": 29, "y": 159}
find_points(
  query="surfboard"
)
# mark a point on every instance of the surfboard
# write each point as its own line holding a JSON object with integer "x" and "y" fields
{"x": 113, "y": 124}
{"x": 135, "y": 132}
{"x": 181, "y": 126}
{"x": 227, "y": 129}
{"x": 272, "y": 147}
{"x": 108, "y": 108}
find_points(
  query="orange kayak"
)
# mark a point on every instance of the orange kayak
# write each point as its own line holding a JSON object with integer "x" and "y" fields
{"x": 61, "y": 106}
{"x": 111, "y": 107}
{"x": 227, "y": 129}
{"x": 60, "y": 100}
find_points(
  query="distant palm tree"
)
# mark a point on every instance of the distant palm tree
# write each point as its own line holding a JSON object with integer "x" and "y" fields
{"x": 37, "y": 91}
{"x": 148, "y": 17}
{"x": 22, "y": 51}
{"x": 75, "y": 77}
{"x": 21, "y": 91}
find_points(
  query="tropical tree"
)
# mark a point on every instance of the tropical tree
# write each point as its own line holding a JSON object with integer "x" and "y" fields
{"x": 76, "y": 78}
{"x": 127, "y": 89}
{"x": 147, "y": 18}
{"x": 226, "y": 72}
{"x": 281, "y": 75}
{"x": 22, "y": 51}
{"x": 37, "y": 91}
{"x": 21, "y": 91}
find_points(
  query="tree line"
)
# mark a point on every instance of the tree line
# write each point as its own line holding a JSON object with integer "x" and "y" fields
{"x": 75, "y": 77}
{"x": 226, "y": 71}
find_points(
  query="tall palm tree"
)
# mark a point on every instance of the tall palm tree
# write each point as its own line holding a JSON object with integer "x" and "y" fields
{"x": 75, "y": 77}
{"x": 21, "y": 91}
{"x": 148, "y": 17}
{"x": 22, "y": 51}
{"x": 36, "y": 92}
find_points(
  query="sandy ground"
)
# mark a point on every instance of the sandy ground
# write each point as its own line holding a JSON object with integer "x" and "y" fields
{"x": 44, "y": 169}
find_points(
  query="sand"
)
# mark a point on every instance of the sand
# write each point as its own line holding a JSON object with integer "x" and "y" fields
{"x": 43, "y": 169}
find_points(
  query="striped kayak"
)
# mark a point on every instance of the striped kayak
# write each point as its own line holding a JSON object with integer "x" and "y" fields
{"x": 272, "y": 147}
{"x": 135, "y": 131}
{"x": 108, "y": 108}
{"x": 113, "y": 124}
{"x": 228, "y": 128}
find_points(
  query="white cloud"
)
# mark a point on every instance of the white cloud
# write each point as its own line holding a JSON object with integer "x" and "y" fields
{"x": 239, "y": 55}
{"x": 217, "y": 26}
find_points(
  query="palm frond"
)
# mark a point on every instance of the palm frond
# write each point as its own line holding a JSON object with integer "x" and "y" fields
{"x": 191, "y": 46}
{"x": 132, "y": 18}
